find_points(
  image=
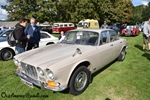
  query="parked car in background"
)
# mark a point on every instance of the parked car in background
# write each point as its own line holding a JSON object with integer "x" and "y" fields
{"x": 130, "y": 30}
{"x": 58, "y": 27}
{"x": 71, "y": 63}
{"x": 5, "y": 31}
{"x": 115, "y": 27}
{"x": 7, "y": 52}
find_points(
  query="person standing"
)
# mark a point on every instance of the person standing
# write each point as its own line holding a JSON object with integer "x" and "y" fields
{"x": 104, "y": 26}
{"x": 146, "y": 35}
{"x": 34, "y": 32}
{"x": 20, "y": 36}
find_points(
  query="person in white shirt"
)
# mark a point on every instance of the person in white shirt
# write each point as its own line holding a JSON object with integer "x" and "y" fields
{"x": 62, "y": 36}
{"x": 146, "y": 35}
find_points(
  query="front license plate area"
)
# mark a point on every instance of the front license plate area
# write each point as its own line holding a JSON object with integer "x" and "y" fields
{"x": 27, "y": 83}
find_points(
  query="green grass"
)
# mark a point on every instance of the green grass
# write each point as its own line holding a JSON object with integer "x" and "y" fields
{"x": 127, "y": 80}
{"x": 56, "y": 34}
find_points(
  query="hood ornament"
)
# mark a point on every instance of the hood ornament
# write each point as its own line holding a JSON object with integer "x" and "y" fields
{"x": 78, "y": 51}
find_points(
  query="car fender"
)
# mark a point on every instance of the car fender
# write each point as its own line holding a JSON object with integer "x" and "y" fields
{"x": 77, "y": 65}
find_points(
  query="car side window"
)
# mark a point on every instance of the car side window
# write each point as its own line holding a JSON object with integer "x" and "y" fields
{"x": 113, "y": 35}
{"x": 7, "y": 33}
{"x": 104, "y": 38}
{"x": 44, "y": 35}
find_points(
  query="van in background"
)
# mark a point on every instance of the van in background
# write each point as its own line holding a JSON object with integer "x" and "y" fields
{"x": 58, "y": 27}
{"x": 88, "y": 23}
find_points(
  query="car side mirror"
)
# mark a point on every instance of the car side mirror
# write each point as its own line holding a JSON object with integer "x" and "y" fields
{"x": 77, "y": 51}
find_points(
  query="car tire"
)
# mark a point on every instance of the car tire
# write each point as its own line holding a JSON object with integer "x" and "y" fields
{"x": 79, "y": 80}
{"x": 6, "y": 54}
{"x": 122, "y": 55}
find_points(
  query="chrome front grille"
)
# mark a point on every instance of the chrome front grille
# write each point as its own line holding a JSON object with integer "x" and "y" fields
{"x": 29, "y": 70}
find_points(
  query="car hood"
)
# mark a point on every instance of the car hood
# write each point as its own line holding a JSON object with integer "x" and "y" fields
{"x": 50, "y": 55}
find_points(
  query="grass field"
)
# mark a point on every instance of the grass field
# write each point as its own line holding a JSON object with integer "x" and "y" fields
{"x": 127, "y": 80}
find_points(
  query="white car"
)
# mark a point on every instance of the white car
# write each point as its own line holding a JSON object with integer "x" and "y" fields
{"x": 7, "y": 52}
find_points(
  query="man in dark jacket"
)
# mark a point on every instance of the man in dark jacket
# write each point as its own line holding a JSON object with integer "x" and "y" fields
{"x": 20, "y": 36}
{"x": 34, "y": 32}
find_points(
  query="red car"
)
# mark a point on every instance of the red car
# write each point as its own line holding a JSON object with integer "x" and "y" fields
{"x": 130, "y": 30}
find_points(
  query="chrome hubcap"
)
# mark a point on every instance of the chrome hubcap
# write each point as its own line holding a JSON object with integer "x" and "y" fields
{"x": 80, "y": 81}
{"x": 7, "y": 55}
{"x": 123, "y": 54}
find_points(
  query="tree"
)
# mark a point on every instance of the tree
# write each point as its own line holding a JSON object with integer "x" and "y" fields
{"x": 71, "y": 10}
{"x": 137, "y": 14}
{"x": 146, "y": 14}
{"x": 75, "y": 10}
{"x": 102, "y": 10}
{"x": 42, "y": 9}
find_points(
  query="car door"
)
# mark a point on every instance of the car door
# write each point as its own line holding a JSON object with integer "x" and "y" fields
{"x": 105, "y": 49}
{"x": 117, "y": 43}
{"x": 45, "y": 38}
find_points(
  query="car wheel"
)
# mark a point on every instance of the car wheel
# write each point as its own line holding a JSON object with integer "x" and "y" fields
{"x": 79, "y": 80}
{"x": 122, "y": 55}
{"x": 6, "y": 54}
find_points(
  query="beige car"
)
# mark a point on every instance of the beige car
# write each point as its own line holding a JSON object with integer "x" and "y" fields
{"x": 71, "y": 63}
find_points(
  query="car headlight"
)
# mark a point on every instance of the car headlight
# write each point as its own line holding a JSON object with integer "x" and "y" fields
{"x": 50, "y": 74}
{"x": 40, "y": 71}
{"x": 17, "y": 63}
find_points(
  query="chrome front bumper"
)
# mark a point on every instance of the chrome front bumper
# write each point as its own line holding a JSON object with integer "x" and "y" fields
{"x": 30, "y": 82}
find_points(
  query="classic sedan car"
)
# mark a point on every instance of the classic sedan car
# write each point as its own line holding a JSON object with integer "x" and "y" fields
{"x": 69, "y": 64}
{"x": 7, "y": 52}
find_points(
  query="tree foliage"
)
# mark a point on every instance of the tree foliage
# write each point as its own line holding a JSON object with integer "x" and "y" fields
{"x": 44, "y": 10}
{"x": 71, "y": 10}
{"x": 137, "y": 14}
{"x": 146, "y": 12}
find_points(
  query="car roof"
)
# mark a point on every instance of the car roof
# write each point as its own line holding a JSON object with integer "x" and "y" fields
{"x": 95, "y": 30}
{"x": 5, "y": 30}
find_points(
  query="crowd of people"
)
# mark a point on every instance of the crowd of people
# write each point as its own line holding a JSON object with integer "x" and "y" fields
{"x": 27, "y": 36}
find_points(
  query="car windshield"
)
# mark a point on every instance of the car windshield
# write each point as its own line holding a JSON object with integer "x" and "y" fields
{"x": 81, "y": 38}
{"x": 82, "y": 24}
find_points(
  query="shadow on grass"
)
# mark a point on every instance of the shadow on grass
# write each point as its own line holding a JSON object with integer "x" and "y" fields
{"x": 128, "y": 36}
{"x": 139, "y": 47}
{"x": 147, "y": 55}
{"x": 102, "y": 69}
{"x": 107, "y": 99}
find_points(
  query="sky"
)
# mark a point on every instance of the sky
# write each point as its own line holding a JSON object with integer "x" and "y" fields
{"x": 139, "y": 2}
{"x": 3, "y": 13}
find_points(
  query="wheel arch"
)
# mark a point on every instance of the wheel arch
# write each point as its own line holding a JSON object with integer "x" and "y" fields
{"x": 124, "y": 47}
{"x": 7, "y": 48}
{"x": 50, "y": 43}
{"x": 86, "y": 64}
